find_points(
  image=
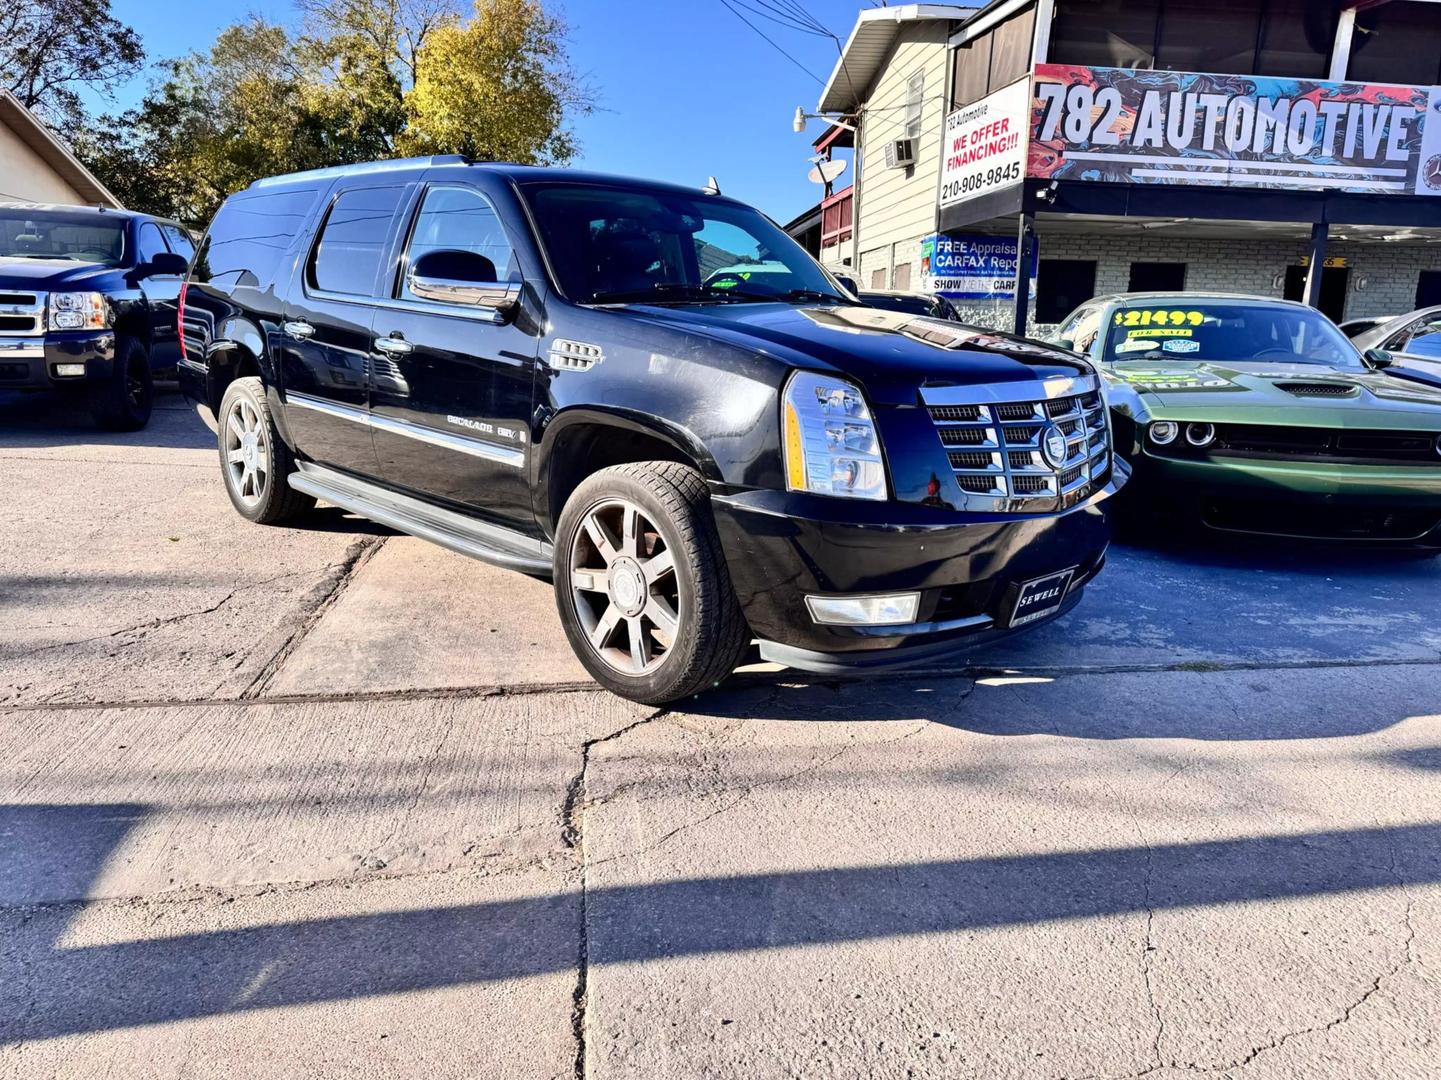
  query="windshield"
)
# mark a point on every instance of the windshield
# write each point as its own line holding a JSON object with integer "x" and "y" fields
{"x": 1186, "y": 328}
{"x": 620, "y": 245}
{"x": 55, "y": 234}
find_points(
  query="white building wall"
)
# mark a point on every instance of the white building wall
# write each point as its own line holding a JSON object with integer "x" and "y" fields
{"x": 1389, "y": 271}
{"x": 898, "y": 206}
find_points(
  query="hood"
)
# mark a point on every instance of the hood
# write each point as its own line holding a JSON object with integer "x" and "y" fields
{"x": 1307, "y": 389}
{"x": 891, "y": 353}
{"x": 50, "y": 275}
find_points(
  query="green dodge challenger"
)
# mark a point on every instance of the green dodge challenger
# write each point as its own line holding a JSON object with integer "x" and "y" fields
{"x": 1259, "y": 416}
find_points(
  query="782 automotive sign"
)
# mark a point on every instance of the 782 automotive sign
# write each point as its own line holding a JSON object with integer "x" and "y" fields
{"x": 984, "y": 145}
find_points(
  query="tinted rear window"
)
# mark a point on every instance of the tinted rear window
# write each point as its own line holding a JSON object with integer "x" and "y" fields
{"x": 249, "y": 236}
{"x": 352, "y": 243}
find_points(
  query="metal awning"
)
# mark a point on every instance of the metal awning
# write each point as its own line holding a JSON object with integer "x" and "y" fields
{"x": 868, "y": 46}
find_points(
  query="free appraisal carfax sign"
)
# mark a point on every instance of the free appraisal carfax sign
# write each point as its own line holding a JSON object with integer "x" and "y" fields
{"x": 1175, "y": 127}
{"x": 969, "y": 267}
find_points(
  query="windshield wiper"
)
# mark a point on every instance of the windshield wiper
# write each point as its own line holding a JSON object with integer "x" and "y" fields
{"x": 661, "y": 291}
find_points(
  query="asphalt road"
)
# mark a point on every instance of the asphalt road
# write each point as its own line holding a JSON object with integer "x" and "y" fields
{"x": 331, "y": 802}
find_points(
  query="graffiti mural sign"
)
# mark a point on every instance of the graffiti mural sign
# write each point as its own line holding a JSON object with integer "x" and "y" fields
{"x": 1174, "y": 127}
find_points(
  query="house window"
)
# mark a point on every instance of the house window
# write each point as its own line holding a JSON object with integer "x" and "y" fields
{"x": 878, "y": 279}
{"x": 1428, "y": 288}
{"x": 901, "y": 276}
{"x": 1157, "y": 277}
{"x": 1397, "y": 43}
{"x": 1062, "y": 285}
{"x": 915, "y": 94}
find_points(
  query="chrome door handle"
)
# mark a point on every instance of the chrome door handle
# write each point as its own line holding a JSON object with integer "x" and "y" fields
{"x": 394, "y": 346}
{"x": 299, "y": 329}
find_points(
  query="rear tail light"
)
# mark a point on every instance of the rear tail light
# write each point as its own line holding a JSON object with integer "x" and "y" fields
{"x": 180, "y": 318}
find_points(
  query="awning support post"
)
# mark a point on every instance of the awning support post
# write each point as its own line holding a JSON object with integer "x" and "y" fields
{"x": 1320, "y": 232}
{"x": 1025, "y": 245}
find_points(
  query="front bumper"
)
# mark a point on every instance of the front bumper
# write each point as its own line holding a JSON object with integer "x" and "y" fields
{"x": 968, "y": 569}
{"x": 29, "y": 363}
{"x": 1296, "y": 499}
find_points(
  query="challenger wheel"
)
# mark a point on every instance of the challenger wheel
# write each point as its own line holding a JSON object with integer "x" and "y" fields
{"x": 254, "y": 459}
{"x": 642, "y": 584}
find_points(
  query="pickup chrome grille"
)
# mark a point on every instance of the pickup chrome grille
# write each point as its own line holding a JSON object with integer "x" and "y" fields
{"x": 995, "y": 438}
{"x": 22, "y": 314}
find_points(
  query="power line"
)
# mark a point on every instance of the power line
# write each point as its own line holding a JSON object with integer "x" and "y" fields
{"x": 737, "y": 13}
{"x": 778, "y": 15}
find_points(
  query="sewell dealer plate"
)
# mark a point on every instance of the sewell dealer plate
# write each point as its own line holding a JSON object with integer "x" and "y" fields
{"x": 1041, "y": 596}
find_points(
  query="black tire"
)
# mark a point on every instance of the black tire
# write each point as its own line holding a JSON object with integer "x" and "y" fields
{"x": 269, "y": 499}
{"x": 124, "y": 401}
{"x": 711, "y": 634}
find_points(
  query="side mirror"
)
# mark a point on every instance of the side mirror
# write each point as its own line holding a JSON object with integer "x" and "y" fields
{"x": 1064, "y": 343}
{"x": 462, "y": 277}
{"x": 165, "y": 264}
{"x": 1378, "y": 359}
{"x": 849, "y": 283}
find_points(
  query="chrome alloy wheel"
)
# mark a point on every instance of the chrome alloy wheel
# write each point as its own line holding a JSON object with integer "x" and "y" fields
{"x": 625, "y": 588}
{"x": 247, "y": 457}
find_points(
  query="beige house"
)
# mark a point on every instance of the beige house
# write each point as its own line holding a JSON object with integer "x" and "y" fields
{"x": 891, "y": 79}
{"x": 35, "y": 166}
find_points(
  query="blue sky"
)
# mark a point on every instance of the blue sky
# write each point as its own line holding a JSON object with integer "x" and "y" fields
{"x": 685, "y": 89}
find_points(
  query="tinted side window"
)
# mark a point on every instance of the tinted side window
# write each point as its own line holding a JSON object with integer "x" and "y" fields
{"x": 352, "y": 242}
{"x": 249, "y": 236}
{"x": 150, "y": 242}
{"x": 460, "y": 219}
{"x": 1426, "y": 340}
{"x": 179, "y": 240}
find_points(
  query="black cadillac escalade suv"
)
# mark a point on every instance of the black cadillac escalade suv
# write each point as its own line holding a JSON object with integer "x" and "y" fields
{"x": 88, "y": 305}
{"x": 540, "y": 368}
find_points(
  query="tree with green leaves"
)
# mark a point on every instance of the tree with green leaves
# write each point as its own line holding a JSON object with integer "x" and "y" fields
{"x": 359, "y": 80}
{"x": 52, "y": 50}
{"x": 498, "y": 87}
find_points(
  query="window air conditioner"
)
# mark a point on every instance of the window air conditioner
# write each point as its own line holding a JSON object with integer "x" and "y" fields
{"x": 900, "y": 153}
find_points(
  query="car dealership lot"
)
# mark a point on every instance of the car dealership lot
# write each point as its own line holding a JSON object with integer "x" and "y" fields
{"x": 331, "y": 801}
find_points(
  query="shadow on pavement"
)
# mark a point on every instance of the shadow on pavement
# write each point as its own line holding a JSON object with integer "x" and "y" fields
{"x": 51, "y": 420}
{"x": 96, "y": 987}
{"x": 1249, "y": 706}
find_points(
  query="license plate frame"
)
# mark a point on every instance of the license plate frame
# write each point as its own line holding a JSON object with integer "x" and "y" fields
{"x": 1040, "y": 597}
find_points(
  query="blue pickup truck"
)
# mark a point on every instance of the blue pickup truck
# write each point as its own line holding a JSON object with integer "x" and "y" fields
{"x": 89, "y": 305}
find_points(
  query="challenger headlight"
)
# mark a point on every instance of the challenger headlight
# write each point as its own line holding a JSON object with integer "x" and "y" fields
{"x": 831, "y": 445}
{"x": 79, "y": 311}
{"x": 1164, "y": 432}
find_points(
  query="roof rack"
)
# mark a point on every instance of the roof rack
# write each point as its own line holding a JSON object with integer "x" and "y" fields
{"x": 364, "y": 167}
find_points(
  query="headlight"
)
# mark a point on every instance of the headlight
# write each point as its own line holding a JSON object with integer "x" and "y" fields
{"x": 831, "y": 445}
{"x": 1200, "y": 435}
{"x": 1164, "y": 432}
{"x": 79, "y": 311}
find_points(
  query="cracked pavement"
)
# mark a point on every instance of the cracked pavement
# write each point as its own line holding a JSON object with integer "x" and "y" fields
{"x": 331, "y": 802}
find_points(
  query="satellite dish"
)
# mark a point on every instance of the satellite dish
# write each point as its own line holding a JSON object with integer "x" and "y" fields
{"x": 823, "y": 172}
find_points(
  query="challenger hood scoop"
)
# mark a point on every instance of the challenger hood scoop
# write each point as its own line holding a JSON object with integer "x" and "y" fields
{"x": 1319, "y": 389}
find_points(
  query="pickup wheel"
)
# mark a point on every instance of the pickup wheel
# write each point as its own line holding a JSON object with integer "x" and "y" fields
{"x": 254, "y": 459}
{"x": 642, "y": 584}
{"x": 123, "y": 402}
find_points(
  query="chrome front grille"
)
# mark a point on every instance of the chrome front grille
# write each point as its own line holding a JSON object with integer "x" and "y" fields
{"x": 22, "y": 314}
{"x": 994, "y": 437}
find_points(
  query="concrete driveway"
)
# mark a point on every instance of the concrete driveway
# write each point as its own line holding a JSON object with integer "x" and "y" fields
{"x": 331, "y": 802}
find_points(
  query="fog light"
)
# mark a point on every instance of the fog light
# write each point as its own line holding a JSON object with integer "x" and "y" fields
{"x": 891, "y": 610}
{"x": 69, "y": 369}
{"x": 1164, "y": 432}
{"x": 1200, "y": 434}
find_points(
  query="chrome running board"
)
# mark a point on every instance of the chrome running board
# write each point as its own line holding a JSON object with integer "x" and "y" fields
{"x": 458, "y": 532}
